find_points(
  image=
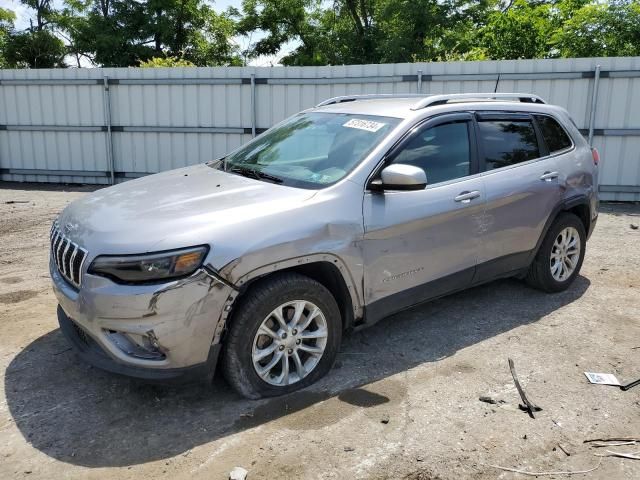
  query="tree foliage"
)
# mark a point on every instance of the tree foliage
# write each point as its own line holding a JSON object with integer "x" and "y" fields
{"x": 7, "y": 18}
{"x": 384, "y": 31}
{"x": 120, "y": 33}
{"x": 601, "y": 30}
{"x": 166, "y": 62}
{"x": 315, "y": 32}
{"x": 35, "y": 49}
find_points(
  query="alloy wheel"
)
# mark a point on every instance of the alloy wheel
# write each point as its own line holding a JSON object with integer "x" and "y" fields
{"x": 565, "y": 254}
{"x": 289, "y": 343}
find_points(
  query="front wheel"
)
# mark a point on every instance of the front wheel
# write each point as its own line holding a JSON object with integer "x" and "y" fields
{"x": 284, "y": 336}
{"x": 560, "y": 257}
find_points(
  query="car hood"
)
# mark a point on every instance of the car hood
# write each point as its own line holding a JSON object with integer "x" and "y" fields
{"x": 174, "y": 209}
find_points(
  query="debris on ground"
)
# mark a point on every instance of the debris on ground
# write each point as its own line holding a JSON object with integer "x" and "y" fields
{"x": 528, "y": 406}
{"x": 536, "y": 474}
{"x": 610, "y": 379}
{"x": 630, "y": 455}
{"x": 617, "y": 441}
{"x": 238, "y": 473}
{"x": 349, "y": 449}
{"x": 602, "y": 378}
{"x": 488, "y": 400}
{"x": 633, "y": 226}
{"x": 564, "y": 450}
{"x": 630, "y": 385}
{"x": 10, "y": 202}
{"x": 384, "y": 419}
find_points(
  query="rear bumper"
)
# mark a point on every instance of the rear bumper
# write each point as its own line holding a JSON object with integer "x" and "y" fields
{"x": 89, "y": 351}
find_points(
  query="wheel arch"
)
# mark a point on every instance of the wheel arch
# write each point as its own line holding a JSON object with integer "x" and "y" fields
{"x": 327, "y": 269}
{"x": 581, "y": 209}
{"x": 578, "y": 205}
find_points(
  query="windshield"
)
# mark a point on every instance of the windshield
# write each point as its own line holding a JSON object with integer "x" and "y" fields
{"x": 310, "y": 150}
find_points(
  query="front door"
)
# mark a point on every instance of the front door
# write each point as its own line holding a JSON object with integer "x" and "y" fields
{"x": 422, "y": 244}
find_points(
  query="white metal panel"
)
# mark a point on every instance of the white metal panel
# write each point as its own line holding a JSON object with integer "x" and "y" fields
{"x": 173, "y": 98}
{"x": 155, "y": 152}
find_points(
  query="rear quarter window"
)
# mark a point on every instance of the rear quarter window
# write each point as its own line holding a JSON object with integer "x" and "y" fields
{"x": 508, "y": 142}
{"x": 554, "y": 135}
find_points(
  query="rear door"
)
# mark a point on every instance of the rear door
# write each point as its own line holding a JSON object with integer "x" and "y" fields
{"x": 522, "y": 186}
{"x": 422, "y": 244}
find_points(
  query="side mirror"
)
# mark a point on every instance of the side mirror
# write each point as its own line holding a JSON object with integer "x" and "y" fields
{"x": 400, "y": 177}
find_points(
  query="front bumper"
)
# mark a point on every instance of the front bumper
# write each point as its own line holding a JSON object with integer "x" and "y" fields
{"x": 155, "y": 332}
{"x": 90, "y": 352}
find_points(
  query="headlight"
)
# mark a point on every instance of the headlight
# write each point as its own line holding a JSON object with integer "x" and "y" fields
{"x": 150, "y": 267}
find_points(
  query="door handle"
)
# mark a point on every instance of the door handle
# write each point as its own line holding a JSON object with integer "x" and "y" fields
{"x": 548, "y": 176}
{"x": 466, "y": 197}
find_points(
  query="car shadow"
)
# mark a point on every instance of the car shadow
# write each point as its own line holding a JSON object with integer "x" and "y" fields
{"x": 83, "y": 416}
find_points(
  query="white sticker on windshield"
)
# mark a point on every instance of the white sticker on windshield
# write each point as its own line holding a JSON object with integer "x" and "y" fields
{"x": 367, "y": 125}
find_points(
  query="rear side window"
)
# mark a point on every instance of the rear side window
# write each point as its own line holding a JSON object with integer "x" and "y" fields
{"x": 554, "y": 135}
{"x": 508, "y": 142}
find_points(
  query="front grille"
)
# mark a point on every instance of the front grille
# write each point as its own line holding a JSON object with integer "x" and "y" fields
{"x": 67, "y": 256}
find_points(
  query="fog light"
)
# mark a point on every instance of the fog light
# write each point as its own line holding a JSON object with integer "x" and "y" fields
{"x": 137, "y": 346}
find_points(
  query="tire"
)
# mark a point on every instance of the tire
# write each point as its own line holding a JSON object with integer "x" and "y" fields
{"x": 282, "y": 293}
{"x": 541, "y": 272}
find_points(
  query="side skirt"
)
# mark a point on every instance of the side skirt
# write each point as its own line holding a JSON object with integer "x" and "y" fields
{"x": 508, "y": 266}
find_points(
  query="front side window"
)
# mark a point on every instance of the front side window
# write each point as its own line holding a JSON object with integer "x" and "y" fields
{"x": 310, "y": 150}
{"x": 441, "y": 151}
{"x": 508, "y": 142}
{"x": 554, "y": 135}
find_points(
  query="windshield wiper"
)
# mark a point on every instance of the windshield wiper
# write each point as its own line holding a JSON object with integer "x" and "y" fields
{"x": 253, "y": 173}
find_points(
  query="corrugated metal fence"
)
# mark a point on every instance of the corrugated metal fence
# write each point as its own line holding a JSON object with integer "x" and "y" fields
{"x": 89, "y": 125}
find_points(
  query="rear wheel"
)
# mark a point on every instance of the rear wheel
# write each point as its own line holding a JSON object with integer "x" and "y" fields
{"x": 284, "y": 336}
{"x": 560, "y": 257}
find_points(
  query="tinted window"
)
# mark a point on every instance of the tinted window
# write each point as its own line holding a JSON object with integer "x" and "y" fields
{"x": 441, "y": 151}
{"x": 554, "y": 135}
{"x": 507, "y": 142}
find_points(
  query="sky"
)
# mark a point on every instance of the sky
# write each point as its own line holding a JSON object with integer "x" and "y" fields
{"x": 23, "y": 14}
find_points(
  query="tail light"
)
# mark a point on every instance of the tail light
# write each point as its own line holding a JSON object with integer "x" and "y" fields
{"x": 596, "y": 155}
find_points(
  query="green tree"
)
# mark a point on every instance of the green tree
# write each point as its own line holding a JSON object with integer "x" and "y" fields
{"x": 282, "y": 22}
{"x": 43, "y": 12}
{"x": 108, "y": 32}
{"x": 600, "y": 30}
{"x": 165, "y": 62}
{"x": 522, "y": 31}
{"x": 120, "y": 33}
{"x": 34, "y": 49}
{"x": 7, "y": 18}
{"x": 349, "y": 31}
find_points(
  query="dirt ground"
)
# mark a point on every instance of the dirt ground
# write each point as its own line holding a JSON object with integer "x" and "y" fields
{"x": 401, "y": 403}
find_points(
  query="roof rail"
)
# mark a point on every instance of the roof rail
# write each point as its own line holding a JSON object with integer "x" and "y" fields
{"x": 374, "y": 96}
{"x": 433, "y": 100}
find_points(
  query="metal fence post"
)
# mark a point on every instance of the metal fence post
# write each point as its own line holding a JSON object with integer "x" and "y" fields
{"x": 419, "y": 81}
{"x": 594, "y": 103}
{"x": 106, "y": 99}
{"x": 253, "y": 104}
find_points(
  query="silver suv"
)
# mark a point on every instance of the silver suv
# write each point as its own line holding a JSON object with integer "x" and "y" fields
{"x": 333, "y": 219}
